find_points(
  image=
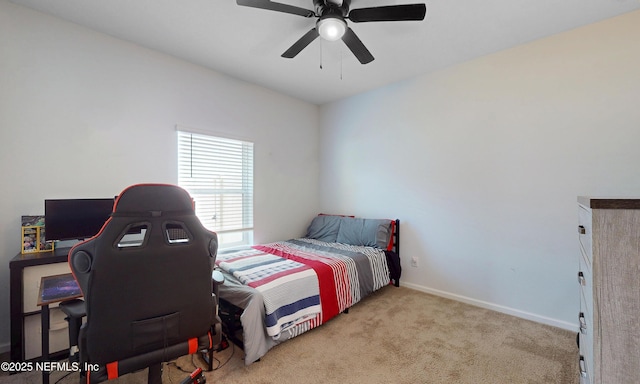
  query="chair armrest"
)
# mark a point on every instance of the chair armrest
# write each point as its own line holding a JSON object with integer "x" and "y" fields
{"x": 217, "y": 277}
{"x": 74, "y": 308}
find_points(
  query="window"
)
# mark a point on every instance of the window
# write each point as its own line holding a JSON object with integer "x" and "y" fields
{"x": 218, "y": 173}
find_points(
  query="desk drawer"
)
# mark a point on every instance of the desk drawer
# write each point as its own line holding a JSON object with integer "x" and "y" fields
{"x": 58, "y": 333}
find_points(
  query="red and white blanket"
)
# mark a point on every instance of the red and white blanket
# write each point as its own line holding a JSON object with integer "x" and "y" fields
{"x": 305, "y": 282}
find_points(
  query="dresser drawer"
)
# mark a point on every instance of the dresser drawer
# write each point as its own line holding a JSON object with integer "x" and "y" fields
{"x": 586, "y": 328}
{"x": 584, "y": 232}
{"x": 585, "y": 279}
{"x": 585, "y": 373}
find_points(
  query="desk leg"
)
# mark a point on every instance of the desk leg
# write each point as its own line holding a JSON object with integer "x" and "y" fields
{"x": 44, "y": 316}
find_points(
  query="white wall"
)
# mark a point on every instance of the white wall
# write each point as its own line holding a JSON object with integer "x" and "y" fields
{"x": 482, "y": 162}
{"x": 85, "y": 115}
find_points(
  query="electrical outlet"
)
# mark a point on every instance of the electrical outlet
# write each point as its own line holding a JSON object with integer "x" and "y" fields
{"x": 414, "y": 261}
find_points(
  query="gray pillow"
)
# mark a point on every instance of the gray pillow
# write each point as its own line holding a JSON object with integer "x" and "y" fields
{"x": 367, "y": 232}
{"x": 324, "y": 228}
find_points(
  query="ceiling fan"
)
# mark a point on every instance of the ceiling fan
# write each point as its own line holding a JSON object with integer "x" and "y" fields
{"x": 332, "y": 25}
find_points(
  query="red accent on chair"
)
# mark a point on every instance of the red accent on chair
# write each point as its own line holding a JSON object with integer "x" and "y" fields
{"x": 112, "y": 370}
{"x": 193, "y": 345}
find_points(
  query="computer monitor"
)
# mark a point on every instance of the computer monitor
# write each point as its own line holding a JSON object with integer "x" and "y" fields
{"x": 75, "y": 219}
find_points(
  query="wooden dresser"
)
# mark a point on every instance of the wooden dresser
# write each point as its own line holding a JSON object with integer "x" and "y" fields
{"x": 609, "y": 277}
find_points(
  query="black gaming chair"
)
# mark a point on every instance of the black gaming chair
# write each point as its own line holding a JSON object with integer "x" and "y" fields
{"x": 147, "y": 285}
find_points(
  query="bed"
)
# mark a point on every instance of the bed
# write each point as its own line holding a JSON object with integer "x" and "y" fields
{"x": 276, "y": 291}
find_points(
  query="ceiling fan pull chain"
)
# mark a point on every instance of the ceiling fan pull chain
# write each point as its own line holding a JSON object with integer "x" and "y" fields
{"x": 341, "y": 60}
{"x": 320, "y": 54}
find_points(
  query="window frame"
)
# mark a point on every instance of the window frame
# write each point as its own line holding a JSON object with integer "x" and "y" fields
{"x": 232, "y": 155}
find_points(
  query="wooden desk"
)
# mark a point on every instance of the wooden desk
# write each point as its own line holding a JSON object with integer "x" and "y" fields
{"x": 54, "y": 289}
{"x": 26, "y": 271}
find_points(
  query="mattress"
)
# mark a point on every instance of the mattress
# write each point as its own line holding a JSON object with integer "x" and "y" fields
{"x": 287, "y": 288}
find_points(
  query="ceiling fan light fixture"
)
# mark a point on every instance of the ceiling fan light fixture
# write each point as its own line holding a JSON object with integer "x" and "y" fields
{"x": 331, "y": 28}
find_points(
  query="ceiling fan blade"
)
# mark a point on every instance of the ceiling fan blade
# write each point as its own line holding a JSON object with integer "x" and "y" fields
{"x": 271, "y": 6}
{"x": 389, "y": 13}
{"x": 355, "y": 45}
{"x": 301, "y": 44}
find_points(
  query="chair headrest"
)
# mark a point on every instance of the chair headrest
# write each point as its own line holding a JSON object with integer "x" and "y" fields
{"x": 153, "y": 199}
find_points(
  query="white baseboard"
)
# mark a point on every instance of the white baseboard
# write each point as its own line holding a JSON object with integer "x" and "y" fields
{"x": 495, "y": 307}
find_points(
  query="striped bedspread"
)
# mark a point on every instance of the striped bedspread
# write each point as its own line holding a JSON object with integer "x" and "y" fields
{"x": 306, "y": 282}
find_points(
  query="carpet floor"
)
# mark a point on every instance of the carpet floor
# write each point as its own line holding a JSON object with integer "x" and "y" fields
{"x": 396, "y": 335}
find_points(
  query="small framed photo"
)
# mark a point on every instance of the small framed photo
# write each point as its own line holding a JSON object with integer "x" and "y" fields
{"x": 33, "y": 235}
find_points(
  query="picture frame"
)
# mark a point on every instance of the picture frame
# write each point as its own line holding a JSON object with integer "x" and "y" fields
{"x": 33, "y": 235}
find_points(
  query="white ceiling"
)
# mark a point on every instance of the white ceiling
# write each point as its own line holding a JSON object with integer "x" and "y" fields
{"x": 246, "y": 43}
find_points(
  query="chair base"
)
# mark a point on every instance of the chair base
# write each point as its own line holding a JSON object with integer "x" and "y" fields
{"x": 154, "y": 375}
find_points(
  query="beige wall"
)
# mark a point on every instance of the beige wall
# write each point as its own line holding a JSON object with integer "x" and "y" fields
{"x": 483, "y": 161}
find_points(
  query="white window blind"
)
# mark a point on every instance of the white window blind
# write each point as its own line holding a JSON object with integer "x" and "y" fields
{"x": 218, "y": 173}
